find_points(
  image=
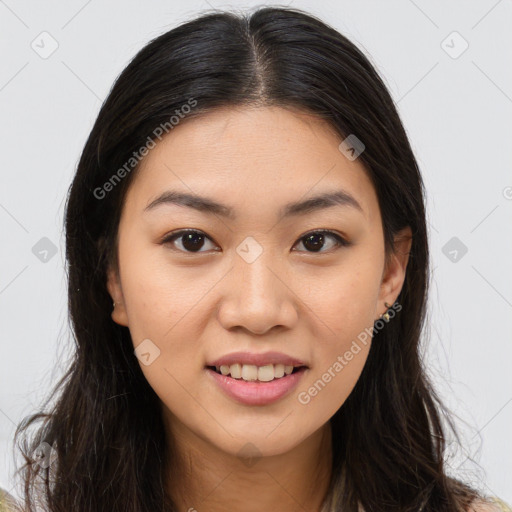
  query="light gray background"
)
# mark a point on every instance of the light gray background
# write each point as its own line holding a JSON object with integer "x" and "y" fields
{"x": 457, "y": 112}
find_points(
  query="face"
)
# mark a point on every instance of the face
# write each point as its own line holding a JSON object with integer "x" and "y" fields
{"x": 252, "y": 267}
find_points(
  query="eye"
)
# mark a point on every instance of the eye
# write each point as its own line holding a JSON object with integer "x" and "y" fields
{"x": 191, "y": 240}
{"x": 315, "y": 240}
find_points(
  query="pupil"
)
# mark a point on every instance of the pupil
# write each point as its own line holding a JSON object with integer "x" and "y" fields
{"x": 193, "y": 241}
{"x": 317, "y": 241}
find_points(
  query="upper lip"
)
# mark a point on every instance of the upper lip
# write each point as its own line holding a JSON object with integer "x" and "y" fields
{"x": 256, "y": 359}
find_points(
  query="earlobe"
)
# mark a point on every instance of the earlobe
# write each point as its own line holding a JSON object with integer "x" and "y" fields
{"x": 118, "y": 314}
{"x": 395, "y": 271}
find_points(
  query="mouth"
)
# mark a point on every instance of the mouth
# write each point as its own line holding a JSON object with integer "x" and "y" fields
{"x": 256, "y": 385}
{"x": 253, "y": 373}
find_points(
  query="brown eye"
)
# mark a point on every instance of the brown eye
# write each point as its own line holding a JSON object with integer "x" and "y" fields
{"x": 314, "y": 241}
{"x": 189, "y": 240}
{"x": 193, "y": 241}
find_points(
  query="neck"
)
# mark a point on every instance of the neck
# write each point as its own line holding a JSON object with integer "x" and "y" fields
{"x": 203, "y": 477}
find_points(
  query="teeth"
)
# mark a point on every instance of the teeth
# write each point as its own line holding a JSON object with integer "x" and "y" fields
{"x": 250, "y": 372}
{"x": 266, "y": 373}
{"x": 236, "y": 371}
{"x": 278, "y": 371}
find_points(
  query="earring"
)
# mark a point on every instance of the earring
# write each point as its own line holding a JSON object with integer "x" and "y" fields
{"x": 385, "y": 315}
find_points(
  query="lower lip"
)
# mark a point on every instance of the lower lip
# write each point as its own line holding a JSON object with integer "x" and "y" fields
{"x": 254, "y": 392}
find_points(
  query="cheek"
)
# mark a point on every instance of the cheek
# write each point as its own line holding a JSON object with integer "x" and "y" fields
{"x": 342, "y": 300}
{"x": 331, "y": 381}
{"x": 164, "y": 302}
{"x": 344, "y": 313}
{"x": 342, "y": 343}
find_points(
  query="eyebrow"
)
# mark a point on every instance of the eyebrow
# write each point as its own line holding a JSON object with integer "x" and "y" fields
{"x": 209, "y": 206}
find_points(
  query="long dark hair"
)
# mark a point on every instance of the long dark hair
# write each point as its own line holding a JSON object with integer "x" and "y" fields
{"x": 106, "y": 426}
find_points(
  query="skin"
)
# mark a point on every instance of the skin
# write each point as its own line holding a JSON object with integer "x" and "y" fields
{"x": 196, "y": 307}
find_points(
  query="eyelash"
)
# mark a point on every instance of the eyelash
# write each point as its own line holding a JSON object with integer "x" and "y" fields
{"x": 342, "y": 242}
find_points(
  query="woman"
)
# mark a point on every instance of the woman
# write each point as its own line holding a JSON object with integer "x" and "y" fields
{"x": 248, "y": 273}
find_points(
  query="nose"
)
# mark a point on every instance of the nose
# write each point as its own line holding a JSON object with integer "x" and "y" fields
{"x": 258, "y": 297}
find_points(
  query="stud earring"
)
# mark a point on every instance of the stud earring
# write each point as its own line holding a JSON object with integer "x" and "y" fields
{"x": 385, "y": 315}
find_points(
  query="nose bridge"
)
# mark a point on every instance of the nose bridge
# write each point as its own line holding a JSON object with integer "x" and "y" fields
{"x": 258, "y": 285}
{"x": 256, "y": 298}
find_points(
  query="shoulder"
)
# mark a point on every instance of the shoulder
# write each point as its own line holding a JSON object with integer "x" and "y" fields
{"x": 489, "y": 505}
{"x": 7, "y": 502}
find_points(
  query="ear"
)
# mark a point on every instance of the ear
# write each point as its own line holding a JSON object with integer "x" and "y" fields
{"x": 116, "y": 292}
{"x": 393, "y": 276}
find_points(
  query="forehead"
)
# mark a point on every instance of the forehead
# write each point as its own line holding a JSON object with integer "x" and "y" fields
{"x": 250, "y": 159}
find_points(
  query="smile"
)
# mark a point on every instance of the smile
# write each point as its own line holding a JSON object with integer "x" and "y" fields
{"x": 250, "y": 372}
{"x": 248, "y": 389}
